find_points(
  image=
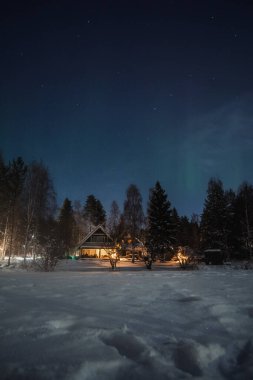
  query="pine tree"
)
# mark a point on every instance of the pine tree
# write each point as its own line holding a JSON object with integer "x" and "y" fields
{"x": 175, "y": 222}
{"x": 66, "y": 226}
{"x": 80, "y": 230}
{"x": 214, "y": 218}
{"x": 188, "y": 235}
{"x": 93, "y": 212}
{"x": 184, "y": 231}
{"x": 194, "y": 233}
{"x": 244, "y": 218}
{"x": 160, "y": 231}
{"x": 231, "y": 229}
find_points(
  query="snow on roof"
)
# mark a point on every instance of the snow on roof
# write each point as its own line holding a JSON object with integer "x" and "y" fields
{"x": 92, "y": 232}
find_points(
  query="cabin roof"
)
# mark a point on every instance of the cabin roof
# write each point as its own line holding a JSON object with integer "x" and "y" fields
{"x": 93, "y": 232}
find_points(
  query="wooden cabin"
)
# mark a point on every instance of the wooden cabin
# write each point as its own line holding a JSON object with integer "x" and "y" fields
{"x": 97, "y": 243}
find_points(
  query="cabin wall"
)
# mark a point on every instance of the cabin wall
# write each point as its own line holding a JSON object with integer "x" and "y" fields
{"x": 93, "y": 252}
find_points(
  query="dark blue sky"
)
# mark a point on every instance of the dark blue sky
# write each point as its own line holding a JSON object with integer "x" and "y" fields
{"x": 116, "y": 92}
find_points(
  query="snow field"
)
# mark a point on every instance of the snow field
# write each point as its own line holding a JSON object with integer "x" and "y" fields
{"x": 86, "y": 322}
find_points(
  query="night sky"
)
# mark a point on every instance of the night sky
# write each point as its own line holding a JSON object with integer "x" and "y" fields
{"x": 109, "y": 93}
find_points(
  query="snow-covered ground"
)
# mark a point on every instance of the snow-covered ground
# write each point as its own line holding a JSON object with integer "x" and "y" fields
{"x": 85, "y": 322}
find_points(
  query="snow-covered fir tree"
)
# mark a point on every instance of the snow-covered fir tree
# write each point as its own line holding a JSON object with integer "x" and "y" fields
{"x": 214, "y": 218}
{"x": 93, "y": 211}
{"x": 66, "y": 226}
{"x": 244, "y": 218}
{"x": 175, "y": 220}
{"x": 161, "y": 230}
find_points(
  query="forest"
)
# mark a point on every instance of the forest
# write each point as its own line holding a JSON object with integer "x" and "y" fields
{"x": 32, "y": 224}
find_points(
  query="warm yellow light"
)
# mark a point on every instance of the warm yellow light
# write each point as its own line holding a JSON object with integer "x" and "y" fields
{"x": 181, "y": 257}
